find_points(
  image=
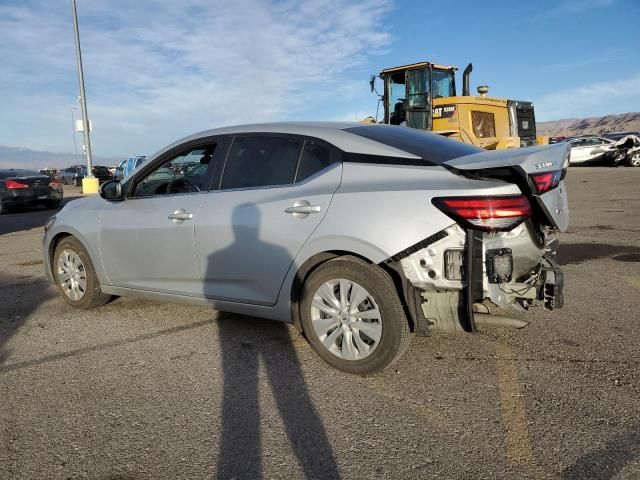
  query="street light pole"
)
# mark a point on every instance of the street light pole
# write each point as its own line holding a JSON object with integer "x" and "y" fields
{"x": 83, "y": 100}
{"x": 73, "y": 129}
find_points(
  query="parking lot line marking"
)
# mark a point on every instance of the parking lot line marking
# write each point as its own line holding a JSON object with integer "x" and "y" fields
{"x": 514, "y": 417}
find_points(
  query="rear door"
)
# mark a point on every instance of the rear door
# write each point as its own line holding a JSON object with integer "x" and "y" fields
{"x": 274, "y": 191}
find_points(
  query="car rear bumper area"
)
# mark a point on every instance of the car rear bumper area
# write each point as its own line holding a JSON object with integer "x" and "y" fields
{"x": 462, "y": 276}
{"x": 29, "y": 197}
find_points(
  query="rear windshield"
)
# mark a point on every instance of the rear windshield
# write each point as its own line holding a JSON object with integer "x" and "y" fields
{"x": 431, "y": 147}
{"x": 19, "y": 173}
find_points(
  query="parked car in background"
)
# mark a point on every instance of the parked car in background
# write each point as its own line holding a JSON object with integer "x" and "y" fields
{"x": 357, "y": 234}
{"x": 50, "y": 172}
{"x": 619, "y": 135}
{"x": 628, "y": 151}
{"x": 102, "y": 173}
{"x": 591, "y": 149}
{"x": 24, "y": 188}
{"x": 553, "y": 140}
{"x": 127, "y": 166}
{"x": 73, "y": 175}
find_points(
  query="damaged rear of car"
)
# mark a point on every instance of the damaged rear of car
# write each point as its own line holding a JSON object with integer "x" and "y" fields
{"x": 481, "y": 226}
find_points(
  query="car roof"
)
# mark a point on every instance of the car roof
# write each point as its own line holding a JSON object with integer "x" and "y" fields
{"x": 331, "y": 132}
{"x": 17, "y": 171}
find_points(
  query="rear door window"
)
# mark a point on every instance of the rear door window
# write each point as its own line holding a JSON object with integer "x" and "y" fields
{"x": 315, "y": 157}
{"x": 260, "y": 161}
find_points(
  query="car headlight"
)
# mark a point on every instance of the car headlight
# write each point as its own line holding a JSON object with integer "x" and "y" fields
{"x": 49, "y": 224}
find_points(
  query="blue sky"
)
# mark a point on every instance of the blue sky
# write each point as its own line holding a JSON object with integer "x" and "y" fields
{"x": 160, "y": 69}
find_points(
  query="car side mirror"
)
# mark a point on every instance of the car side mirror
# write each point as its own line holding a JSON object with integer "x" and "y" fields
{"x": 111, "y": 190}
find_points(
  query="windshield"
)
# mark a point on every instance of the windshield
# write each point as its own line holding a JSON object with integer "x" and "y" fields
{"x": 442, "y": 84}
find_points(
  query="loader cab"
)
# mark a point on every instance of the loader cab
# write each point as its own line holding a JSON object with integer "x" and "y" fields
{"x": 409, "y": 91}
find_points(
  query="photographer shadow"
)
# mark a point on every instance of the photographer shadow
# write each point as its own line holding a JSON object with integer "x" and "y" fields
{"x": 245, "y": 342}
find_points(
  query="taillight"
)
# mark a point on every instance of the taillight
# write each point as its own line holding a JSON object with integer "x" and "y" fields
{"x": 12, "y": 184}
{"x": 491, "y": 214}
{"x": 546, "y": 181}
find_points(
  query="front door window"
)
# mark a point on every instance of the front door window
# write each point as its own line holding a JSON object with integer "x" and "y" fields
{"x": 186, "y": 172}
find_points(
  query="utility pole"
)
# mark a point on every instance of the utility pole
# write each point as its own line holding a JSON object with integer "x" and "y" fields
{"x": 73, "y": 129}
{"x": 83, "y": 100}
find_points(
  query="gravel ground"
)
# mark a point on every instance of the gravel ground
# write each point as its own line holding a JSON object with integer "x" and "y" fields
{"x": 138, "y": 389}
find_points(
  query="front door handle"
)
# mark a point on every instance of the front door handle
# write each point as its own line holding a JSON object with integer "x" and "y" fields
{"x": 180, "y": 215}
{"x": 302, "y": 209}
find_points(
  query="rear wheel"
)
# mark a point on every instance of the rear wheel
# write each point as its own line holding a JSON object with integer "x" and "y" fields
{"x": 352, "y": 316}
{"x": 75, "y": 276}
{"x": 634, "y": 159}
{"x": 4, "y": 209}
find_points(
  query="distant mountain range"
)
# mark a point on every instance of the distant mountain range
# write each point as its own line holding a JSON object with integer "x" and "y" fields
{"x": 15, "y": 157}
{"x": 626, "y": 122}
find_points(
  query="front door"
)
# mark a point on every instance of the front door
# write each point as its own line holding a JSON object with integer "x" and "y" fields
{"x": 419, "y": 99}
{"x": 146, "y": 240}
{"x": 274, "y": 192}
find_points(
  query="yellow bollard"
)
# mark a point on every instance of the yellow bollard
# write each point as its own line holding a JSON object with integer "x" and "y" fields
{"x": 90, "y": 186}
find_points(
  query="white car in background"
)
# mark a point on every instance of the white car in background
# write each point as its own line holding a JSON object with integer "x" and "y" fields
{"x": 589, "y": 149}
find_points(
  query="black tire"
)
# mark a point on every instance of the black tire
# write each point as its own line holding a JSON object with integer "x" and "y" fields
{"x": 52, "y": 204}
{"x": 93, "y": 296}
{"x": 396, "y": 334}
{"x": 4, "y": 209}
{"x": 77, "y": 182}
{"x": 64, "y": 181}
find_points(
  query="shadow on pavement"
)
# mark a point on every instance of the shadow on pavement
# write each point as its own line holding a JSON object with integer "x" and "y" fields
{"x": 607, "y": 462}
{"x": 574, "y": 253}
{"x": 18, "y": 301}
{"x": 245, "y": 342}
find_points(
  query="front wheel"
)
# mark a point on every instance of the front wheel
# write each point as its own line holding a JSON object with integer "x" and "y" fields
{"x": 634, "y": 159}
{"x": 352, "y": 316}
{"x": 75, "y": 276}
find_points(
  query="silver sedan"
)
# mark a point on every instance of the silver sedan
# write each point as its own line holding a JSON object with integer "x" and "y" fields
{"x": 359, "y": 235}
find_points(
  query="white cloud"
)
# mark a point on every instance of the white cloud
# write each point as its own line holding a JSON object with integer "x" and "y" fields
{"x": 572, "y": 7}
{"x": 158, "y": 70}
{"x": 580, "y": 101}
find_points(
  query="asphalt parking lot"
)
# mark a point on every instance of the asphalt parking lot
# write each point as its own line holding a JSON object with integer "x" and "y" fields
{"x": 138, "y": 389}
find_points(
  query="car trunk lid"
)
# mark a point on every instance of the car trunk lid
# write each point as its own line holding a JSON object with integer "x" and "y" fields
{"x": 520, "y": 166}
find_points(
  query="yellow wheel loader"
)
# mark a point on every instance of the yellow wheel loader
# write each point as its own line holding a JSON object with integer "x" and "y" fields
{"x": 423, "y": 95}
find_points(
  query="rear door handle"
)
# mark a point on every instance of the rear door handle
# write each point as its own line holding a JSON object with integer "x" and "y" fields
{"x": 302, "y": 209}
{"x": 180, "y": 215}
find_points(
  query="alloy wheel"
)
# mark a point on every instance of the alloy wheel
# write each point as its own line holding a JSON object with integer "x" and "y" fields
{"x": 72, "y": 275}
{"x": 635, "y": 160}
{"x": 346, "y": 319}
